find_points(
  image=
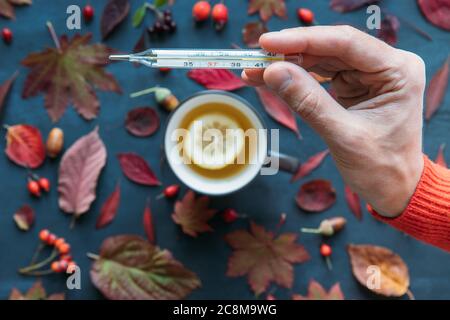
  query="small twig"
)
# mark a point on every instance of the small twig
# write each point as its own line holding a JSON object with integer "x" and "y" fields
{"x": 73, "y": 221}
{"x": 36, "y": 253}
{"x": 154, "y": 9}
{"x": 39, "y": 273}
{"x": 143, "y": 92}
{"x": 40, "y": 264}
{"x": 54, "y": 36}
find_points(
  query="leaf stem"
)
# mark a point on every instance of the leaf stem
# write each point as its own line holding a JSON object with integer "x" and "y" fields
{"x": 39, "y": 273}
{"x": 154, "y": 9}
{"x": 54, "y": 36}
{"x": 38, "y": 265}
{"x": 36, "y": 253}
{"x": 73, "y": 221}
{"x": 143, "y": 92}
{"x": 93, "y": 256}
{"x": 310, "y": 230}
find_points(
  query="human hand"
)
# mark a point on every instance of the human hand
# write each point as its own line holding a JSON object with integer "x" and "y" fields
{"x": 374, "y": 127}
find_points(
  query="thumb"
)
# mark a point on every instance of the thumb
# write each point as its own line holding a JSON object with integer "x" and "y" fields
{"x": 306, "y": 97}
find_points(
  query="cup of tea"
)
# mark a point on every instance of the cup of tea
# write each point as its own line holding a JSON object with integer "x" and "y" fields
{"x": 217, "y": 143}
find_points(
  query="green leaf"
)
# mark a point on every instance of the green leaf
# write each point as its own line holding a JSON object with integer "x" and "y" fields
{"x": 130, "y": 268}
{"x": 160, "y": 3}
{"x": 139, "y": 15}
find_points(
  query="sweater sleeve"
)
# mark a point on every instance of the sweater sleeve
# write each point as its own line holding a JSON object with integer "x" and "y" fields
{"x": 427, "y": 216}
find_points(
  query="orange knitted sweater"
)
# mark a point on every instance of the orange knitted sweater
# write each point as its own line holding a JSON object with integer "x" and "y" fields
{"x": 427, "y": 216}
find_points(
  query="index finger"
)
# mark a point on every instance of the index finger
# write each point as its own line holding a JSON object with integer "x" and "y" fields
{"x": 354, "y": 47}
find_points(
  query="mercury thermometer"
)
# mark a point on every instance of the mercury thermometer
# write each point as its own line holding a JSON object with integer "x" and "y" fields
{"x": 207, "y": 58}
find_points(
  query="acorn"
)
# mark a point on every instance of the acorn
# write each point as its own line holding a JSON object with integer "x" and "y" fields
{"x": 164, "y": 97}
{"x": 55, "y": 142}
{"x": 328, "y": 227}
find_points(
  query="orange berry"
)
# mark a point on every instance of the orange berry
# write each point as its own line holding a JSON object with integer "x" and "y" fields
{"x": 44, "y": 183}
{"x": 64, "y": 248}
{"x": 201, "y": 10}
{"x": 56, "y": 266}
{"x": 305, "y": 15}
{"x": 34, "y": 188}
{"x": 59, "y": 242}
{"x": 220, "y": 13}
{"x": 325, "y": 250}
{"x": 66, "y": 257}
{"x": 71, "y": 265}
{"x": 43, "y": 235}
{"x": 63, "y": 264}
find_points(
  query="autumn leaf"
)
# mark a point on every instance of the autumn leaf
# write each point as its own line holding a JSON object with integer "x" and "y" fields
{"x": 24, "y": 146}
{"x": 113, "y": 14}
{"x": 353, "y": 202}
{"x": 5, "y": 87}
{"x": 216, "y": 79}
{"x": 436, "y": 11}
{"x": 349, "y": 5}
{"x": 139, "y": 15}
{"x": 69, "y": 74}
{"x": 142, "y": 121}
{"x": 7, "y": 7}
{"x": 394, "y": 276}
{"x": 312, "y": 163}
{"x": 316, "y": 196}
{"x": 79, "y": 171}
{"x": 135, "y": 168}
{"x": 264, "y": 258}
{"x": 267, "y": 8}
{"x": 317, "y": 292}
{"x": 147, "y": 221}
{"x": 277, "y": 109}
{"x": 109, "y": 209}
{"x": 436, "y": 90}
{"x": 130, "y": 268}
{"x": 36, "y": 292}
{"x": 193, "y": 214}
{"x": 251, "y": 33}
{"x": 24, "y": 217}
{"x": 440, "y": 158}
{"x": 389, "y": 28}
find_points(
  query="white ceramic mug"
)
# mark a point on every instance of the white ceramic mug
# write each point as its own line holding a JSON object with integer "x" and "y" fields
{"x": 257, "y": 159}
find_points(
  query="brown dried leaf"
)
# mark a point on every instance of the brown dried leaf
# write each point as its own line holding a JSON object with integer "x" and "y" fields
{"x": 5, "y": 87}
{"x": 317, "y": 292}
{"x": 251, "y": 33}
{"x": 436, "y": 90}
{"x": 393, "y": 279}
{"x": 142, "y": 121}
{"x": 7, "y": 7}
{"x": 109, "y": 209}
{"x": 114, "y": 13}
{"x": 24, "y": 217}
{"x": 36, "y": 292}
{"x": 316, "y": 196}
{"x": 267, "y": 8}
{"x": 437, "y": 12}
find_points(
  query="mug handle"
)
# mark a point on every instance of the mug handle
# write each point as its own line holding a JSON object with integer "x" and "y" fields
{"x": 286, "y": 162}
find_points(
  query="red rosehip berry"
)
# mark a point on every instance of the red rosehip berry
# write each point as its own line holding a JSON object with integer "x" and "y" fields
{"x": 7, "y": 35}
{"x": 59, "y": 242}
{"x": 34, "y": 188}
{"x": 71, "y": 265}
{"x": 325, "y": 250}
{"x": 230, "y": 215}
{"x": 43, "y": 235}
{"x": 88, "y": 13}
{"x": 305, "y": 15}
{"x": 169, "y": 191}
{"x": 44, "y": 183}
{"x": 66, "y": 257}
{"x": 51, "y": 239}
{"x": 63, "y": 264}
{"x": 56, "y": 266}
{"x": 164, "y": 69}
{"x": 220, "y": 13}
{"x": 201, "y": 10}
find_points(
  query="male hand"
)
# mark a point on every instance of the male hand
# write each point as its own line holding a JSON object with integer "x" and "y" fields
{"x": 374, "y": 128}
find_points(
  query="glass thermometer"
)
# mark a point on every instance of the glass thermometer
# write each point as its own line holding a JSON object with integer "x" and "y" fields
{"x": 207, "y": 58}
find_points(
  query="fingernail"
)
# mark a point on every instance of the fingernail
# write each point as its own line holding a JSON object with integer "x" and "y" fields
{"x": 279, "y": 80}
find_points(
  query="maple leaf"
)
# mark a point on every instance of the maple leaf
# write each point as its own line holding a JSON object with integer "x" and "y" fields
{"x": 7, "y": 7}
{"x": 263, "y": 257}
{"x": 69, "y": 74}
{"x": 36, "y": 292}
{"x": 267, "y": 8}
{"x": 317, "y": 292}
{"x": 193, "y": 214}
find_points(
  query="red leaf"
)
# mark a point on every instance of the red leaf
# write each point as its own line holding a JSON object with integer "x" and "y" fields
{"x": 437, "y": 12}
{"x": 4, "y": 89}
{"x": 193, "y": 214}
{"x": 251, "y": 33}
{"x": 79, "y": 171}
{"x": 109, "y": 209}
{"x": 436, "y": 90}
{"x": 148, "y": 224}
{"x": 264, "y": 258}
{"x": 24, "y": 217}
{"x": 142, "y": 121}
{"x": 316, "y": 195}
{"x": 349, "y": 5}
{"x": 24, "y": 146}
{"x": 440, "y": 159}
{"x": 277, "y": 109}
{"x": 140, "y": 44}
{"x": 353, "y": 202}
{"x": 310, "y": 164}
{"x": 7, "y": 7}
{"x": 389, "y": 28}
{"x": 137, "y": 170}
{"x": 114, "y": 13}
{"x": 317, "y": 292}
{"x": 267, "y": 8}
{"x": 216, "y": 79}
